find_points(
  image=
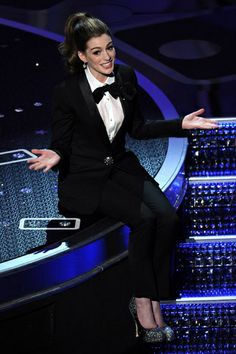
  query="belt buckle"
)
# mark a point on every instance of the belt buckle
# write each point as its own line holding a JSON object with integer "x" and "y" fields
{"x": 108, "y": 160}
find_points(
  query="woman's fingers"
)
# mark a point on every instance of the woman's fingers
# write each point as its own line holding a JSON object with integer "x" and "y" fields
{"x": 32, "y": 160}
{"x": 36, "y": 166}
{"x": 210, "y": 123}
{"x": 198, "y": 112}
{"x": 46, "y": 160}
{"x": 37, "y": 151}
{"x": 46, "y": 169}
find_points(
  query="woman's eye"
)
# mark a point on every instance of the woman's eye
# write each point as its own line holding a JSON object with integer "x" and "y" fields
{"x": 111, "y": 47}
{"x": 97, "y": 52}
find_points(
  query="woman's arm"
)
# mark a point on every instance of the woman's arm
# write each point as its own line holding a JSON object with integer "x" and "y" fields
{"x": 62, "y": 123}
{"x": 57, "y": 156}
{"x": 140, "y": 129}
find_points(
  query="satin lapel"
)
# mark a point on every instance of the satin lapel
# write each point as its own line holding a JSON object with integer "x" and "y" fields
{"x": 123, "y": 101}
{"x": 92, "y": 107}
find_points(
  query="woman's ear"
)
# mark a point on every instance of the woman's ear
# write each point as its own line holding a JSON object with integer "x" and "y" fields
{"x": 82, "y": 56}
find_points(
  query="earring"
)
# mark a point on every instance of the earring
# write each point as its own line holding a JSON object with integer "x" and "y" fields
{"x": 84, "y": 65}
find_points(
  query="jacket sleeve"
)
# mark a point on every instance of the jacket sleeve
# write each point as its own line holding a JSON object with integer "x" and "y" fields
{"x": 62, "y": 126}
{"x": 142, "y": 129}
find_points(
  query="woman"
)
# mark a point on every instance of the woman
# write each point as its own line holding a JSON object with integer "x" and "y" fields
{"x": 93, "y": 110}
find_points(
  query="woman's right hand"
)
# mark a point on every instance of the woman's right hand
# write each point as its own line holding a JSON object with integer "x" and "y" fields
{"x": 46, "y": 160}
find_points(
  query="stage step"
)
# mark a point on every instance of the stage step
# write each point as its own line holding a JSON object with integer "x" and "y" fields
{"x": 209, "y": 207}
{"x": 200, "y": 327}
{"x": 205, "y": 263}
{"x": 204, "y": 314}
{"x": 206, "y": 268}
{"x": 212, "y": 152}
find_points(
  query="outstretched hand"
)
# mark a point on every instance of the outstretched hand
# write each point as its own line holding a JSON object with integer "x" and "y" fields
{"x": 193, "y": 121}
{"x": 46, "y": 160}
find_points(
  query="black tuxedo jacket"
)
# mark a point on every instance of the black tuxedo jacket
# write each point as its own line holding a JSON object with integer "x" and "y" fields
{"x": 79, "y": 136}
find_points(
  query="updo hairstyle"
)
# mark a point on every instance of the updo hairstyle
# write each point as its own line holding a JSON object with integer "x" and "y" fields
{"x": 79, "y": 28}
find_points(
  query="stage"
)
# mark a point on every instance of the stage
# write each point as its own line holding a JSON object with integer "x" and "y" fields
{"x": 66, "y": 280}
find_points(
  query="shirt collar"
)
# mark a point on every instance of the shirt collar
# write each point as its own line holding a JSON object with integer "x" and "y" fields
{"x": 94, "y": 83}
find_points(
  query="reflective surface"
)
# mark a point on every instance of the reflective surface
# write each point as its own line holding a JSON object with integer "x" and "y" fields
{"x": 206, "y": 269}
{"x": 212, "y": 153}
{"x": 206, "y": 262}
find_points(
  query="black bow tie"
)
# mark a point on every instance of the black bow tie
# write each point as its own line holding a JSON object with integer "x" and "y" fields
{"x": 113, "y": 89}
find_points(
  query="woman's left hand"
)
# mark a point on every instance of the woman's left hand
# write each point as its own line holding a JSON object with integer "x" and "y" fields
{"x": 193, "y": 121}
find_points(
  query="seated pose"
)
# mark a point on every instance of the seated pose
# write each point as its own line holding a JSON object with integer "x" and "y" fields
{"x": 93, "y": 110}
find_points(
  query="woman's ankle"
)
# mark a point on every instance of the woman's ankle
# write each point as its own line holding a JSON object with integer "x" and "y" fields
{"x": 156, "y": 308}
{"x": 145, "y": 313}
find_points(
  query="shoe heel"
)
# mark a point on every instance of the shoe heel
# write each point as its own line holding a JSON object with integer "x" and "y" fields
{"x": 136, "y": 329}
{"x": 132, "y": 310}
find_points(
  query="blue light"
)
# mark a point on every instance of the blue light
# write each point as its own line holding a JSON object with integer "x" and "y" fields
{"x": 72, "y": 264}
{"x": 125, "y": 230}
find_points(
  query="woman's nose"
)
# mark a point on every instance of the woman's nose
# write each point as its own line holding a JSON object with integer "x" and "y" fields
{"x": 106, "y": 55}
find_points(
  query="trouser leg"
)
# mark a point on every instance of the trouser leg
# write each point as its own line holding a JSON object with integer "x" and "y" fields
{"x": 127, "y": 207}
{"x": 167, "y": 231}
{"x": 163, "y": 238}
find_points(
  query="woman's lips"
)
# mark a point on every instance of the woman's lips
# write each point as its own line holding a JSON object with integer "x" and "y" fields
{"x": 107, "y": 65}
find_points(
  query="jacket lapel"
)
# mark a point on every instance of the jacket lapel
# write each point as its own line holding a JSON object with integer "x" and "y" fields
{"x": 123, "y": 100}
{"x": 91, "y": 106}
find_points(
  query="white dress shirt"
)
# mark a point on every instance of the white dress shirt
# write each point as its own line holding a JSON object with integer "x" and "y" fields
{"x": 109, "y": 107}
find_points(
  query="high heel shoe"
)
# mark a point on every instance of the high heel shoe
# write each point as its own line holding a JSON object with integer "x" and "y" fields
{"x": 153, "y": 335}
{"x": 169, "y": 333}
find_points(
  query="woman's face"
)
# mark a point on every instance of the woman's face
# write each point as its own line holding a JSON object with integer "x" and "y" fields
{"x": 99, "y": 56}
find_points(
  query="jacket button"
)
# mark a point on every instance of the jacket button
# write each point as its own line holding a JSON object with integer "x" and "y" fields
{"x": 108, "y": 160}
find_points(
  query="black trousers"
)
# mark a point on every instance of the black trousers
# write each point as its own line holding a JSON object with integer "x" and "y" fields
{"x": 154, "y": 227}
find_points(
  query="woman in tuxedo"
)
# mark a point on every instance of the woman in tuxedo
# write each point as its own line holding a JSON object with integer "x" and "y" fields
{"x": 93, "y": 110}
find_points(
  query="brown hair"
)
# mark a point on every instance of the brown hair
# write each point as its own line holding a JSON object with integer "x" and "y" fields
{"x": 79, "y": 28}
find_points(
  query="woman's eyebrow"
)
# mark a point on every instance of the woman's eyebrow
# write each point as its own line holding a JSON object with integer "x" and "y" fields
{"x": 101, "y": 47}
